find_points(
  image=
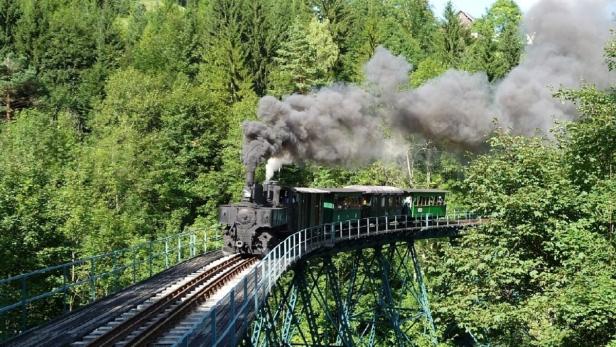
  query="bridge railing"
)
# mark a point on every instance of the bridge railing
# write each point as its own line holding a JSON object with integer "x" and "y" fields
{"x": 229, "y": 319}
{"x": 30, "y": 299}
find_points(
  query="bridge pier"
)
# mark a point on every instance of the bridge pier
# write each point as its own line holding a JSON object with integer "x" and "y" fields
{"x": 365, "y": 297}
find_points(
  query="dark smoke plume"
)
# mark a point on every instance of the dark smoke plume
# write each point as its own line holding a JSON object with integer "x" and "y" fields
{"x": 342, "y": 124}
{"x": 334, "y": 126}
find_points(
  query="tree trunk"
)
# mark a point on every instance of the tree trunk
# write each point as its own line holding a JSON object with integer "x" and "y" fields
{"x": 410, "y": 167}
{"x": 428, "y": 166}
{"x": 7, "y": 101}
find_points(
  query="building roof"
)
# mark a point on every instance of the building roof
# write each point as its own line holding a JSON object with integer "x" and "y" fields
{"x": 377, "y": 189}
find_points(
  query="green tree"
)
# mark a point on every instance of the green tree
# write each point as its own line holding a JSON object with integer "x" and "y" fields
{"x": 610, "y": 53}
{"x": 166, "y": 41}
{"x": 223, "y": 65}
{"x": 37, "y": 151}
{"x": 591, "y": 141}
{"x": 9, "y": 15}
{"x": 261, "y": 42}
{"x": 419, "y": 21}
{"x": 71, "y": 45}
{"x": 510, "y": 46}
{"x": 518, "y": 280}
{"x": 454, "y": 37}
{"x": 340, "y": 21}
{"x": 483, "y": 54}
{"x": 503, "y": 13}
{"x": 498, "y": 46}
{"x": 428, "y": 69}
{"x": 18, "y": 85}
{"x": 398, "y": 26}
{"x": 306, "y": 59}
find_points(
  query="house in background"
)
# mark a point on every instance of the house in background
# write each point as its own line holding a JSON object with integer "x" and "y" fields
{"x": 465, "y": 19}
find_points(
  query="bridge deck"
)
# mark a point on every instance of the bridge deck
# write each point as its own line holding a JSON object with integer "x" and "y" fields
{"x": 73, "y": 326}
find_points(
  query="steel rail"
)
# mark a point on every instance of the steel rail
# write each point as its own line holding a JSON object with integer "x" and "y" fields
{"x": 125, "y": 328}
{"x": 152, "y": 332}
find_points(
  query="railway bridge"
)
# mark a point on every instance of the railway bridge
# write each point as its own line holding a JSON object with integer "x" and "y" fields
{"x": 352, "y": 283}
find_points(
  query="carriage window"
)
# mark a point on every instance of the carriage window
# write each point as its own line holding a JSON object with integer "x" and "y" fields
{"x": 339, "y": 202}
{"x": 383, "y": 202}
{"x": 347, "y": 202}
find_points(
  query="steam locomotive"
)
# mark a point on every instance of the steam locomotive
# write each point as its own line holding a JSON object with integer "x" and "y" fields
{"x": 268, "y": 212}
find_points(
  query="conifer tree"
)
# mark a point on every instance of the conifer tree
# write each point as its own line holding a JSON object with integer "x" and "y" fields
{"x": 305, "y": 60}
{"x": 294, "y": 71}
{"x": 510, "y": 45}
{"x": 455, "y": 37}
{"x": 419, "y": 21}
{"x": 9, "y": 15}
{"x": 341, "y": 22}
{"x": 498, "y": 46}
{"x": 260, "y": 42}
{"x": 483, "y": 54}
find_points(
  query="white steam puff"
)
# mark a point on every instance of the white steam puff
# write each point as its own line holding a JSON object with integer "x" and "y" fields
{"x": 342, "y": 124}
{"x": 275, "y": 164}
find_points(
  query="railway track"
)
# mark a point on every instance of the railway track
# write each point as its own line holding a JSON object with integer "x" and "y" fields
{"x": 148, "y": 324}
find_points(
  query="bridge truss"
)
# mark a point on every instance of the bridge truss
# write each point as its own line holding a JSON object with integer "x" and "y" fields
{"x": 368, "y": 297}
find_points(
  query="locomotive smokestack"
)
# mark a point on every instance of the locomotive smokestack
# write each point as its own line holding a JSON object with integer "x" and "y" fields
{"x": 250, "y": 181}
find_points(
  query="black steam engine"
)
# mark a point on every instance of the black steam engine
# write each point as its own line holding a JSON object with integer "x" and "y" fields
{"x": 268, "y": 213}
{"x": 254, "y": 225}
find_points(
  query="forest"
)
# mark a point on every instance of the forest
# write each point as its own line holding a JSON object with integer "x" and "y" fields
{"x": 121, "y": 122}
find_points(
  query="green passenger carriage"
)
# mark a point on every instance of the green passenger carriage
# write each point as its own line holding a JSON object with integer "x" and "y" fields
{"x": 315, "y": 206}
{"x": 426, "y": 203}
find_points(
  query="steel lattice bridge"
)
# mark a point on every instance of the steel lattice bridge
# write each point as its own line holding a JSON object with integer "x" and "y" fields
{"x": 352, "y": 283}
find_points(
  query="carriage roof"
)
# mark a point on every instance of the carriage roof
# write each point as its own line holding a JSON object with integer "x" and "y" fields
{"x": 377, "y": 189}
{"x": 325, "y": 190}
{"x": 432, "y": 191}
